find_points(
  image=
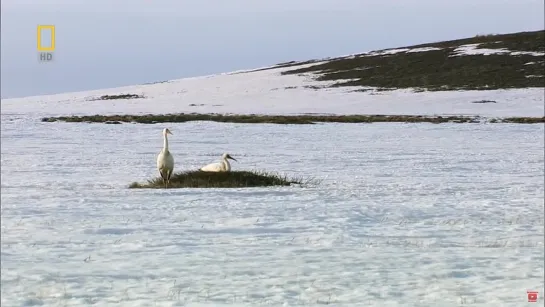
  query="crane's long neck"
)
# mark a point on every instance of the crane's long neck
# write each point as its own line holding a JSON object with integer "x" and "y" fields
{"x": 226, "y": 164}
{"x": 165, "y": 142}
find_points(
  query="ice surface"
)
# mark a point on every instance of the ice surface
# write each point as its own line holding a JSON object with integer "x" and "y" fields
{"x": 423, "y": 49}
{"x": 471, "y": 49}
{"x": 540, "y": 54}
{"x": 406, "y": 215}
{"x": 269, "y": 92}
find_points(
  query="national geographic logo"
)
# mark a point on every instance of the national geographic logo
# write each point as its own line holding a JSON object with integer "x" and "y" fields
{"x": 46, "y": 42}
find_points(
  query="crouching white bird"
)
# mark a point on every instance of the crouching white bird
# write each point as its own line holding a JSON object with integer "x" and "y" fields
{"x": 165, "y": 160}
{"x": 222, "y": 166}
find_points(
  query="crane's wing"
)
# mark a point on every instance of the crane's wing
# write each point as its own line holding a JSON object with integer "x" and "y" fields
{"x": 212, "y": 167}
{"x": 169, "y": 161}
{"x": 165, "y": 160}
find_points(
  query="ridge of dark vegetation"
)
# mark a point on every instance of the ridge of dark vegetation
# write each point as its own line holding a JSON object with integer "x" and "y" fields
{"x": 377, "y": 71}
{"x": 283, "y": 119}
{"x": 436, "y": 70}
{"x": 119, "y": 96}
{"x": 233, "y": 179}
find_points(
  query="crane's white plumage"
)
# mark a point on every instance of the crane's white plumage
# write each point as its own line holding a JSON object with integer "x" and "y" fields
{"x": 222, "y": 166}
{"x": 165, "y": 160}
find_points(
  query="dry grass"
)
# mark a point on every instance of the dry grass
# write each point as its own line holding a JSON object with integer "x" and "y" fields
{"x": 233, "y": 179}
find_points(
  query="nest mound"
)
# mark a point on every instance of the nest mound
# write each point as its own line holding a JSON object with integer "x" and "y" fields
{"x": 233, "y": 179}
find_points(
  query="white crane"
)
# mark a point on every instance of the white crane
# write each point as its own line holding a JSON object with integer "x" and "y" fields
{"x": 222, "y": 166}
{"x": 165, "y": 160}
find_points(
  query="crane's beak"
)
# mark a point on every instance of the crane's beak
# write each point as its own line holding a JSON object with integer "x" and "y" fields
{"x": 229, "y": 157}
{"x": 168, "y": 131}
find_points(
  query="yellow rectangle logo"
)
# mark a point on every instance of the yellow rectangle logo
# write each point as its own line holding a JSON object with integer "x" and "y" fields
{"x": 39, "y": 38}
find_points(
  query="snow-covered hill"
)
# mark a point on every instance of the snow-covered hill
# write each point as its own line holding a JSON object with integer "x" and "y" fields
{"x": 278, "y": 90}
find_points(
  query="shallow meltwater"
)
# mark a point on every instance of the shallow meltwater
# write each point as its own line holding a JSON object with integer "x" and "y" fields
{"x": 401, "y": 214}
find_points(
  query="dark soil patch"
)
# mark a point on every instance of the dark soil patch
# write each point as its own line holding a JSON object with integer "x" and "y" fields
{"x": 279, "y": 119}
{"x": 120, "y": 96}
{"x": 438, "y": 69}
{"x": 484, "y": 101}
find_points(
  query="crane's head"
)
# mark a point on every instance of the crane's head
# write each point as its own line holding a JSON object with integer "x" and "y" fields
{"x": 166, "y": 131}
{"x": 228, "y": 156}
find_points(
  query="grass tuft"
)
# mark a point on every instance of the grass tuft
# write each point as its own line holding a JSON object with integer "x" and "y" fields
{"x": 233, "y": 179}
{"x": 524, "y": 120}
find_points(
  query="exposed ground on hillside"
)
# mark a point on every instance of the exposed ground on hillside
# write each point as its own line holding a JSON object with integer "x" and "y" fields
{"x": 482, "y": 62}
{"x": 279, "y": 119}
{"x": 495, "y": 78}
{"x": 114, "y": 97}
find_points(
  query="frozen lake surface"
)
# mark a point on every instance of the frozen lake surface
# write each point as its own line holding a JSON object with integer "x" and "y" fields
{"x": 406, "y": 215}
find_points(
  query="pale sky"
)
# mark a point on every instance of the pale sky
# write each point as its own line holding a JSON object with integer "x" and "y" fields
{"x": 111, "y": 43}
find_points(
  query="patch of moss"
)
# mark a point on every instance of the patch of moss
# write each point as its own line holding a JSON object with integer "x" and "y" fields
{"x": 120, "y": 96}
{"x": 520, "y": 41}
{"x": 233, "y": 179}
{"x": 439, "y": 70}
{"x": 262, "y": 119}
{"x": 524, "y": 120}
{"x": 484, "y": 101}
{"x": 280, "y": 119}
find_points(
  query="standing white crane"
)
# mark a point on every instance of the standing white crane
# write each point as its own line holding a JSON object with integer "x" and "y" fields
{"x": 222, "y": 166}
{"x": 165, "y": 160}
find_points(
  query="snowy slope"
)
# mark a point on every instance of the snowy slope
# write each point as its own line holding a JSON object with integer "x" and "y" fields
{"x": 269, "y": 92}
